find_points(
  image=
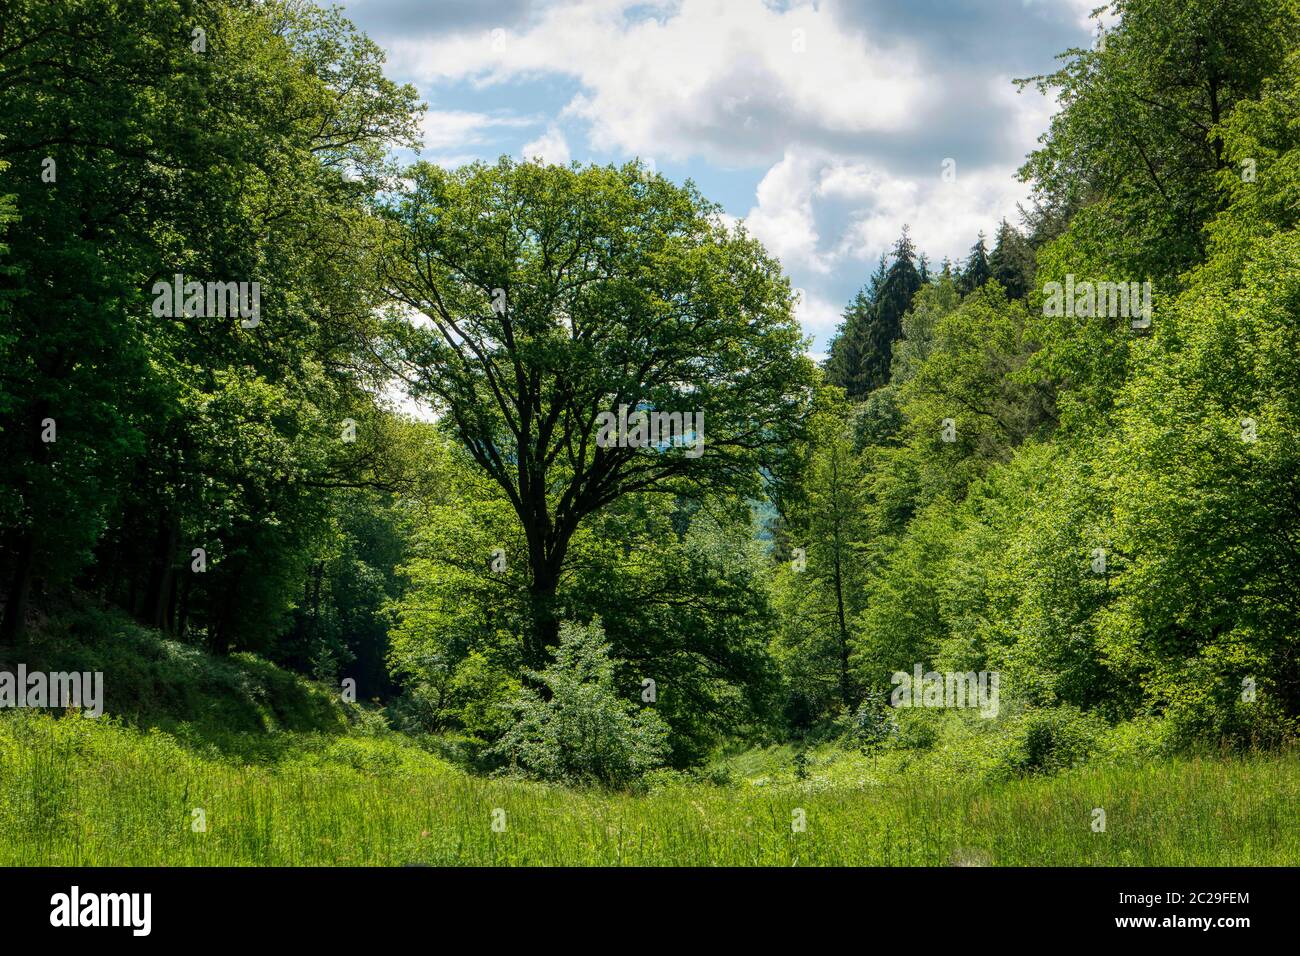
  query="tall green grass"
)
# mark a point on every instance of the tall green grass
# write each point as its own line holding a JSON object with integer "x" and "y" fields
{"x": 75, "y": 791}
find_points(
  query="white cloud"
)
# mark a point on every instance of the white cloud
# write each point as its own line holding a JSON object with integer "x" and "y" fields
{"x": 453, "y": 160}
{"x": 783, "y": 220}
{"x": 849, "y": 115}
{"x": 551, "y": 147}
{"x": 827, "y": 218}
{"x": 728, "y": 80}
{"x": 1082, "y": 10}
{"x": 817, "y": 315}
{"x": 443, "y": 129}
{"x": 1028, "y": 111}
{"x": 820, "y": 213}
{"x": 944, "y": 217}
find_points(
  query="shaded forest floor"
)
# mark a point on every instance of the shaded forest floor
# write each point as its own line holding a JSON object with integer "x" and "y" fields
{"x": 243, "y": 764}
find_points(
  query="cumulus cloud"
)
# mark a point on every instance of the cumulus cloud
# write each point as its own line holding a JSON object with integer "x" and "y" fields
{"x": 1082, "y": 10}
{"x": 825, "y": 216}
{"x": 732, "y": 81}
{"x": 443, "y": 129}
{"x": 817, "y": 315}
{"x": 783, "y": 219}
{"x": 392, "y": 19}
{"x": 837, "y": 114}
{"x": 551, "y": 147}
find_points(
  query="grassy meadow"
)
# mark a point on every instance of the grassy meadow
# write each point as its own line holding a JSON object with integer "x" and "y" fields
{"x": 286, "y": 774}
{"x": 79, "y": 792}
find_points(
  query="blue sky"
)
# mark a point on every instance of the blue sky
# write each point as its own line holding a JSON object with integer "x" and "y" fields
{"x": 825, "y": 126}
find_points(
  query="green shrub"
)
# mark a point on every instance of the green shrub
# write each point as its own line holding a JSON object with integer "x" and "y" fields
{"x": 585, "y": 732}
{"x": 1047, "y": 741}
{"x": 918, "y": 728}
{"x": 872, "y": 723}
{"x": 663, "y": 780}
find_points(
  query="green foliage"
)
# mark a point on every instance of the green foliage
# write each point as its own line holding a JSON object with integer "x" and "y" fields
{"x": 602, "y": 288}
{"x": 820, "y": 592}
{"x": 1135, "y": 163}
{"x": 254, "y": 160}
{"x": 1205, "y": 459}
{"x": 1011, "y": 264}
{"x": 1134, "y": 154}
{"x": 156, "y": 682}
{"x": 977, "y": 270}
{"x": 1108, "y": 524}
{"x": 577, "y": 728}
{"x": 681, "y": 589}
{"x": 860, "y": 352}
{"x": 1048, "y": 741}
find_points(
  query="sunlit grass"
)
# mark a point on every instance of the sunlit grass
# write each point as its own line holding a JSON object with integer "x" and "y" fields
{"x": 80, "y": 792}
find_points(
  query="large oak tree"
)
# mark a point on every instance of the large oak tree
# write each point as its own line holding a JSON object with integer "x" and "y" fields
{"x": 552, "y": 294}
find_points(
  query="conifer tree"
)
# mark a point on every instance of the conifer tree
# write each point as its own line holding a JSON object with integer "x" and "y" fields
{"x": 977, "y": 271}
{"x": 860, "y": 354}
{"x": 1012, "y": 261}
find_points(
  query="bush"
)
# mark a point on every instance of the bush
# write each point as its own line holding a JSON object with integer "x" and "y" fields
{"x": 918, "y": 728}
{"x": 1046, "y": 741}
{"x": 584, "y": 733}
{"x": 872, "y": 723}
{"x": 663, "y": 780}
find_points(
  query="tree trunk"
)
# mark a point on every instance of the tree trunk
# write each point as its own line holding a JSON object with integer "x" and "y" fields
{"x": 13, "y": 629}
{"x": 173, "y": 599}
{"x": 183, "y": 611}
{"x": 545, "y": 632}
{"x": 221, "y": 628}
{"x": 161, "y": 574}
{"x": 841, "y": 618}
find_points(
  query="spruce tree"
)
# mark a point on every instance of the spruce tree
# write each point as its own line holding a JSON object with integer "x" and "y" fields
{"x": 977, "y": 271}
{"x": 860, "y": 353}
{"x": 892, "y": 301}
{"x": 1012, "y": 261}
{"x": 844, "y": 366}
